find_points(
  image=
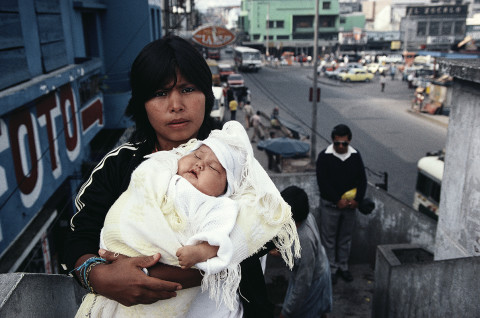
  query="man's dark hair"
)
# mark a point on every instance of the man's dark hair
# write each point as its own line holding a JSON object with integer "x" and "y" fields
{"x": 297, "y": 198}
{"x": 341, "y": 130}
{"x": 155, "y": 67}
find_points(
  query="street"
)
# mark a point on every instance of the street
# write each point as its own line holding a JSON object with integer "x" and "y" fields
{"x": 389, "y": 138}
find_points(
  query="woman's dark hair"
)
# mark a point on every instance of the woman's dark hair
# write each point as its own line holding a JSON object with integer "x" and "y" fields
{"x": 341, "y": 130}
{"x": 297, "y": 198}
{"x": 155, "y": 67}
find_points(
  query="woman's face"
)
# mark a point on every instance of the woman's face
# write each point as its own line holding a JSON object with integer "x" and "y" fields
{"x": 176, "y": 113}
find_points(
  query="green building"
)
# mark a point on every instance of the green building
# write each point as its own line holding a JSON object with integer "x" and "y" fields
{"x": 348, "y": 22}
{"x": 288, "y": 25}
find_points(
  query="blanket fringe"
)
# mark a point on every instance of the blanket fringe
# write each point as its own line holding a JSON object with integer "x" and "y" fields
{"x": 288, "y": 243}
{"x": 223, "y": 286}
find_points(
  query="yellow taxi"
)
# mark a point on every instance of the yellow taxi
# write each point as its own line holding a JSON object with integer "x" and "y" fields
{"x": 356, "y": 75}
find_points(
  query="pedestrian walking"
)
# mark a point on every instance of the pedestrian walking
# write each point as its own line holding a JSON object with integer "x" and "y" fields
{"x": 258, "y": 127}
{"x": 393, "y": 71}
{"x": 383, "y": 80}
{"x": 342, "y": 183}
{"x": 243, "y": 96}
{"x": 248, "y": 110}
{"x": 233, "y": 109}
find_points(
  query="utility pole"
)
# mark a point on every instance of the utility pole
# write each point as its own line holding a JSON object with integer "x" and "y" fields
{"x": 313, "y": 139}
{"x": 267, "y": 53}
{"x": 166, "y": 18}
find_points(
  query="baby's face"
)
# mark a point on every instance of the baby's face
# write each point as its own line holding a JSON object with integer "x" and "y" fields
{"x": 203, "y": 170}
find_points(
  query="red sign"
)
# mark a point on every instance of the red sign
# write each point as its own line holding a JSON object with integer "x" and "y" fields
{"x": 213, "y": 36}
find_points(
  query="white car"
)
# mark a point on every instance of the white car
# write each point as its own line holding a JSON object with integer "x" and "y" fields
{"x": 218, "y": 110}
{"x": 335, "y": 74}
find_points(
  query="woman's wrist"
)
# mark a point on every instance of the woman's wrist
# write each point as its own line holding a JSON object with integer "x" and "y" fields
{"x": 83, "y": 270}
{"x": 186, "y": 277}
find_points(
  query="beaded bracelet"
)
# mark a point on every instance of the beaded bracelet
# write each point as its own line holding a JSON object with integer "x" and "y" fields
{"x": 85, "y": 269}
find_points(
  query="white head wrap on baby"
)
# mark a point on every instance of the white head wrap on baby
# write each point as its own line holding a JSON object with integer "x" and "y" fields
{"x": 232, "y": 147}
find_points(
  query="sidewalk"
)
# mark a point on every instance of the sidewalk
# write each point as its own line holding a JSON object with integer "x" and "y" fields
{"x": 353, "y": 300}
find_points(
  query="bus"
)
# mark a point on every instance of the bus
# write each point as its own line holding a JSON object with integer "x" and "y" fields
{"x": 429, "y": 183}
{"x": 247, "y": 59}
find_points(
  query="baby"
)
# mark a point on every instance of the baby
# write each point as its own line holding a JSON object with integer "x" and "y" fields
{"x": 185, "y": 204}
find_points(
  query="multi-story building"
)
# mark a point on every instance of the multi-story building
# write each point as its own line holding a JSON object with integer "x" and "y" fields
{"x": 288, "y": 24}
{"x": 64, "y": 87}
{"x": 434, "y": 28}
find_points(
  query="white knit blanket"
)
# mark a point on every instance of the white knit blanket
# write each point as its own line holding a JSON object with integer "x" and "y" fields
{"x": 145, "y": 221}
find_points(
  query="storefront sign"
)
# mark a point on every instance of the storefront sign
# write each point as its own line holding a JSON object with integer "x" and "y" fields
{"x": 213, "y": 36}
{"x": 41, "y": 144}
{"x": 440, "y": 39}
{"x": 456, "y": 10}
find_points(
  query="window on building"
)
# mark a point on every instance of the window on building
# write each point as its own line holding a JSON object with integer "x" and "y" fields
{"x": 270, "y": 24}
{"x": 326, "y": 21}
{"x": 343, "y": 20}
{"x": 270, "y": 37}
{"x": 326, "y": 5}
{"x": 459, "y": 28}
{"x": 280, "y": 24}
{"x": 13, "y": 60}
{"x": 51, "y": 36}
{"x": 283, "y": 37}
{"x": 302, "y": 23}
{"x": 422, "y": 28}
{"x": 256, "y": 36}
{"x": 434, "y": 28}
{"x": 447, "y": 27}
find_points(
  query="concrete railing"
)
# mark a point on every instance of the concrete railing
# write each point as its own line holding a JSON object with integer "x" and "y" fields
{"x": 39, "y": 295}
{"x": 392, "y": 221}
{"x": 416, "y": 287}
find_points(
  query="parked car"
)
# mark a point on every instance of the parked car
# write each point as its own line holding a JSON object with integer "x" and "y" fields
{"x": 355, "y": 65}
{"x": 212, "y": 64}
{"x": 356, "y": 75}
{"x": 334, "y": 74}
{"x": 225, "y": 70}
{"x": 235, "y": 80}
{"x": 213, "y": 54}
{"x": 328, "y": 66}
{"x": 218, "y": 110}
{"x": 375, "y": 68}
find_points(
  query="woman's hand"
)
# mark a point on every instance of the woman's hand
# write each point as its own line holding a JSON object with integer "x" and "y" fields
{"x": 123, "y": 280}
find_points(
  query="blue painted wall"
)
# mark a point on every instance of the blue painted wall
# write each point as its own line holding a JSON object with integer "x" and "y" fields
{"x": 64, "y": 68}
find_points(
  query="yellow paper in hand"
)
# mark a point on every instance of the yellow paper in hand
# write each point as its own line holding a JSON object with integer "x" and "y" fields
{"x": 350, "y": 194}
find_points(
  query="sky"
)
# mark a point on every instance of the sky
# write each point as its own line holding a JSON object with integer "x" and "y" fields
{"x": 202, "y": 5}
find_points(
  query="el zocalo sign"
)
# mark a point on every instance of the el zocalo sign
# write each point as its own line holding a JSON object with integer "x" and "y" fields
{"x": 460, "y": 10}
{"x": 213, "y": 36}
